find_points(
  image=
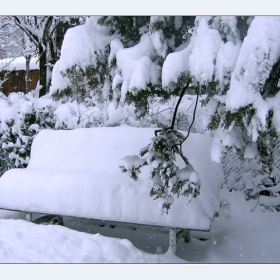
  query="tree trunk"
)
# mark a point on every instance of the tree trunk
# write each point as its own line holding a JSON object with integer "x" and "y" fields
{"x": 43, "y": 71}
{"x": 27, "y": 63}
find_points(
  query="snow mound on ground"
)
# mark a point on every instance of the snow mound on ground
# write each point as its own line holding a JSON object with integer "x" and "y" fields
{"x": 76, "y": 173}
{"x": 24, "y": 242}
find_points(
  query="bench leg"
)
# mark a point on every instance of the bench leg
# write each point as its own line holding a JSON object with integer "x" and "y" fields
{"x": 184, "y": 233}
{"x": 28, "y": 216}
{"x": 172, "y": 240}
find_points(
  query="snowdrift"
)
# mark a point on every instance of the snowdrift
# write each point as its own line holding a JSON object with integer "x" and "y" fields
{"x": 76, "y": 173}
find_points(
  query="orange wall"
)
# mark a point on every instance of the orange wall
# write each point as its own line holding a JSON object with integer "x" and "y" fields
{"x": 16, "y": 81}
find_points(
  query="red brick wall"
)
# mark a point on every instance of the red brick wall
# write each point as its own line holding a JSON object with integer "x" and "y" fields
{"x": 16, "y": 81}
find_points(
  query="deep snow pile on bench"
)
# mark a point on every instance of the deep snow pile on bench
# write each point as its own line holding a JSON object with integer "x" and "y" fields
{"x": 76, "y": 173}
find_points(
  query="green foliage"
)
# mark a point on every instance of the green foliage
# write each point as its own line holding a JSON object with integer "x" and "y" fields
{"x": 211, "y": 89}
{"x": 267, "y": 143}
{"x": 168, "y": 179}
{"x": 132, "y": 27}
{"x": 85, "y": 82}
{"x": 65, "y": 93}
{"x": 215, "y": 121}
{"x": 18, "y": 131}
{"x": 174, "y": 28}
{"x": 127, "y": 26}
{"x": 241, "y": 117}
{"x": 134, "y": 170}
{"x": 174, "y": 87}
{"x": 270, "y": 87}
{"x": 140, "y": 101}
{"x": 140, "y": 98}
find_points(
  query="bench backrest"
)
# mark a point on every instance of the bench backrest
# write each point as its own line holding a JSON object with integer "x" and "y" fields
{"x": 87, "y": 149}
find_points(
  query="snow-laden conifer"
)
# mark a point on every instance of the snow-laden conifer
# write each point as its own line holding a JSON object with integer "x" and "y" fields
{"x": 141, "y": 70}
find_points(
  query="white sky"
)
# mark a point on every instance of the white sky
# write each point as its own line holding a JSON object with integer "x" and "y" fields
{"x": 143, "y": 7}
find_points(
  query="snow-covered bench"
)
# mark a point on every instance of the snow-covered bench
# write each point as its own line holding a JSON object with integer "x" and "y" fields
{"x": 76, "y": 173}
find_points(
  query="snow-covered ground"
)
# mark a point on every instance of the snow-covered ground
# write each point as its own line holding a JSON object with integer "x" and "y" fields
{"x": 237, "y": 236}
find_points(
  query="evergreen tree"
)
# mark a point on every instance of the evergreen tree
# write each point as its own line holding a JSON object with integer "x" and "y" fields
{"x": 232, "y": 63}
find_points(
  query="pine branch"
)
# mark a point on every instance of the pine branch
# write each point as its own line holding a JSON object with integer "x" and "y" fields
{"x": 176, "y": 109}
{"x": 194, "y": 112}
{"x": 177, "y": 105}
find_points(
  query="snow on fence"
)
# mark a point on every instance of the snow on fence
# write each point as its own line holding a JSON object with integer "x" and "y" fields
{"x": 234, "y": 168}
{"x": 17, "y": 64}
